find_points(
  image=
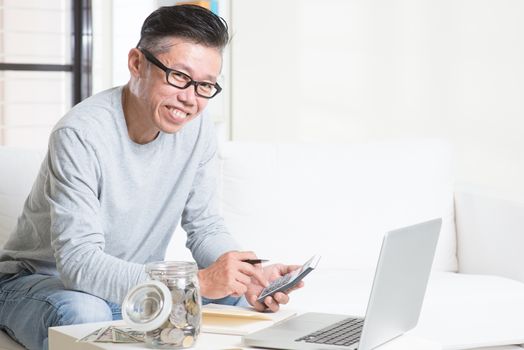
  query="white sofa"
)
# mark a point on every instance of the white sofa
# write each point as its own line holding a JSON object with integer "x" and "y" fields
{"x": 290, "y": 201}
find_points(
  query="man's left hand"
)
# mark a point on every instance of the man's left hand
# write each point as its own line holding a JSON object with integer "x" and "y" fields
{"x": 271, "y": 272}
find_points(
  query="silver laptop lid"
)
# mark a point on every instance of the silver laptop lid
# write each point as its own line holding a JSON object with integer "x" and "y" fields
{"x": 400, "y": 282}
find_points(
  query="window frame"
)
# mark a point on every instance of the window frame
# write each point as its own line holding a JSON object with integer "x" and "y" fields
{"x": 82, "y": 54}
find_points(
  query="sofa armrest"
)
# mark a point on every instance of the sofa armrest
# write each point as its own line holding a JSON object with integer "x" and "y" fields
{"x": 490, "y": 233}
{"x": 18, "y": 170}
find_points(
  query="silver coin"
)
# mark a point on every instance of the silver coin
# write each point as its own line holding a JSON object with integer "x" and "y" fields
{"x": 176, "y": 336}
{"x": 190, "y": 330}
{"x": 178, "y": 316}
{"x": 164, "y": 335}
{"x": 194, "y": 319}
{"x": 177, "y": 295}
{"x": 171, "y": 336}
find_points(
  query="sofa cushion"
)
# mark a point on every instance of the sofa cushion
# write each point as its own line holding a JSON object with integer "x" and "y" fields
{"x": 467, "y": 311}
{"x": 290, "y": 201}
{"x": 19, "y": 170}
{"x": 6, "y": 343}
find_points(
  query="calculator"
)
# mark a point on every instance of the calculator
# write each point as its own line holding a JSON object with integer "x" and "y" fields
{"x": 289, "y": 280}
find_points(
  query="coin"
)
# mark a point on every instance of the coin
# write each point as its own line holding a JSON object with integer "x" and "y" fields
{"x": 176, "y": 336}
{"x": 194, "y": 320}
{"x": 178, "y": 316}
{"x": 192, "y": 302}
{"x": 188, "y": 341}
{"x": 190, "y": 307}
{"x": 183, "y": 325}
{"x": 164, "y": 335}
{"x": 177, "y": 295}
{"x": 172, "y": 336}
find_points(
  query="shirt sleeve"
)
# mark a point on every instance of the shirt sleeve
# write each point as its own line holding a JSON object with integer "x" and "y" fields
{"x": 77, "y": 237}
{"x": 207, "y": 235}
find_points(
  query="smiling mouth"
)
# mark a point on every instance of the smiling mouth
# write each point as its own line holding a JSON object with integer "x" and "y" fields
{"x": 177, "y": 114}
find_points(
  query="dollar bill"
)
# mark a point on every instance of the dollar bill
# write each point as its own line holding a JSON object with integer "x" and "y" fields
{"x": 106, "y": 335}
{"x": 112, "y": 334}
{"x": 123, "y": 337}
{"x": 91, "y": 336}
{"x": 133, "y": 333}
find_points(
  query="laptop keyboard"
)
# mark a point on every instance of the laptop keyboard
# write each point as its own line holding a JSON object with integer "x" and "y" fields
{"x": 345, "y": 333}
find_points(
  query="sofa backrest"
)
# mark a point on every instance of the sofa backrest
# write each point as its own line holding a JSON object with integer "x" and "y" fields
{"x": 490, "y": 231}
{"x": 18, "y": 170}
{"x": 290, "y": 201}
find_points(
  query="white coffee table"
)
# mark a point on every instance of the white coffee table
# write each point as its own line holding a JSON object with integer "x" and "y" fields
{"x": 64, "y": 338}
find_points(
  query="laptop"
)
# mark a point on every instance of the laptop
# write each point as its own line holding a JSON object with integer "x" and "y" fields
{"x": 394, "y": 305}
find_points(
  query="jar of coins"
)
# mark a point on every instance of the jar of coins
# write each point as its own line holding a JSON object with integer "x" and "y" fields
{"x": 167, "y": 308}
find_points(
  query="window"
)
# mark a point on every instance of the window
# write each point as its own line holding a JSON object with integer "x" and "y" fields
{"x": 45, "y": 66}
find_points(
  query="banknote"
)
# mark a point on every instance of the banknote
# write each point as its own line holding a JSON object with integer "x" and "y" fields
{"x": 133, "y": 333}
{"x": 106, "y": 335}
{"x": 112, "y": 334}
{"x": 122, "y": 337}
{"x": 91, "y": 336}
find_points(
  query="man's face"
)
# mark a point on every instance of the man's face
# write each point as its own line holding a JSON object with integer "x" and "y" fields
{"x": 170, "y": 108}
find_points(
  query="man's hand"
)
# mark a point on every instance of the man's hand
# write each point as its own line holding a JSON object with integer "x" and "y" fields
{"x": 271, "y": 273}
{"x": 229, "y": 275}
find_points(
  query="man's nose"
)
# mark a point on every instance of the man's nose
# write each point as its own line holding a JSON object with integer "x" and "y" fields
{"x": 188, "y": 95}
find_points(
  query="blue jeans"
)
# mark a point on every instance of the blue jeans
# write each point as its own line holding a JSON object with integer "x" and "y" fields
{"x": 31, "y": 303}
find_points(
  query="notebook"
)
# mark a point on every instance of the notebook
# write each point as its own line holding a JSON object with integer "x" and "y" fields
{"x": 234, "y": 320}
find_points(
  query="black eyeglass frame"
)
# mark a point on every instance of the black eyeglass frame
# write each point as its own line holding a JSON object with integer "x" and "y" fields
{"x": 151, "y": 58}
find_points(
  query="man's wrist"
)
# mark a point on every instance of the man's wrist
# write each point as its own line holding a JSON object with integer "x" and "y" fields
{"x": 202, "y": 282}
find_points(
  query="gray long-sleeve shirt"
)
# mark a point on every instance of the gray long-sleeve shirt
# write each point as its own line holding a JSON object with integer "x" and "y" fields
{"x": 102, "y": 205}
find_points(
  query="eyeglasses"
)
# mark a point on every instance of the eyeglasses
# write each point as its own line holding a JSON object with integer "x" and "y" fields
{"x": 181, "y": 80}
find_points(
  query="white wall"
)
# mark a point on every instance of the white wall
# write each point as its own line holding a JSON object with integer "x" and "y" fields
{"x": 353, "y": 71}
{"x": 102, "y": 17}
{"x": 128, "y": 16}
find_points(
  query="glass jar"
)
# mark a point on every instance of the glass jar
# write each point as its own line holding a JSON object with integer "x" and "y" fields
{"x": 169, "y": 307}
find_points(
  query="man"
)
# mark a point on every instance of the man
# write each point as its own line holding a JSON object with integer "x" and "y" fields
{"x": 122, "y": 168}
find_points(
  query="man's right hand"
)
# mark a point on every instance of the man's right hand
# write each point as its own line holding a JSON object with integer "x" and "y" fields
{"x": 229, "y": 275}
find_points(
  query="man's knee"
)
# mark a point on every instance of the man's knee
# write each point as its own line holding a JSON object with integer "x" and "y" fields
{"x": 78, "y": 307}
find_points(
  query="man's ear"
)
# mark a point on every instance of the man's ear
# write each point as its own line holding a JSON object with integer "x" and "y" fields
{"x": 134, "y": 62}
